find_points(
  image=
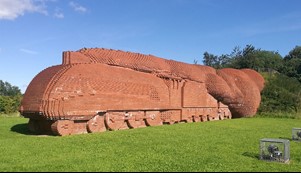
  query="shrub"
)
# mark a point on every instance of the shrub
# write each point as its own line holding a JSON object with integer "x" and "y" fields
{"x": 281, "y": 94}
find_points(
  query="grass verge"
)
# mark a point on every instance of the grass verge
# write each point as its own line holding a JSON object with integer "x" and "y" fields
{"x": 223, "y": 146}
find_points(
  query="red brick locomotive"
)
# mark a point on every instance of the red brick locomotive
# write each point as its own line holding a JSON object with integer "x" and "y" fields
{"x": 95, "y": 90}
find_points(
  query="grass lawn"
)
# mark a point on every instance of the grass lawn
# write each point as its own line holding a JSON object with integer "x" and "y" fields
{"x": 223, "y": 146}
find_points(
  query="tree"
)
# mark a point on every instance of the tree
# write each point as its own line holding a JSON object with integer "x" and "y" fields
{"x": 249, "y": 57}
{"x": 195, "y": 61}
{"x": 267, "y": 61}
{"x": 209, "y": 59}
{"x": 281, "y": 94}
{"x": 10, "y": 98}
{"x": 214, "y": 61}
{"x": 294, "y": 54}
{"x": 292, "y": 63}
{"x": 6, "y": 89}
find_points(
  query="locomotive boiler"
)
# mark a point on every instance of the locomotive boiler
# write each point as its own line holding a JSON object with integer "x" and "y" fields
{"x": 97, "y": 89}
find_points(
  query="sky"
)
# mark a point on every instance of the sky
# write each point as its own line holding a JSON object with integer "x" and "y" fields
{"x": 34, "y": 33}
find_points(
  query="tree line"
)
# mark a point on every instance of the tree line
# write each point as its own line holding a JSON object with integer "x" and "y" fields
{"x": 282, "y": 92}
{"x": 10, "y": 98}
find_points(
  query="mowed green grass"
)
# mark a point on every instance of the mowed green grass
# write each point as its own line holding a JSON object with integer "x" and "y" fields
{"x": 229, "y": 145}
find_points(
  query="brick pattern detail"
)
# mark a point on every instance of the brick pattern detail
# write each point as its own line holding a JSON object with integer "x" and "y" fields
{"x": 94, "y": 80}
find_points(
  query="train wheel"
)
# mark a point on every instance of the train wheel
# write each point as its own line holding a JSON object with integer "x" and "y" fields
{"x": 222, "y": 116}
{"x": 96, "y": 124}
{"x": 189, "y": 120}
{"x": 204, "y": 118}
{"x": 228, "y": 115}
{"x": 135, "y": 119}
{"x": 136, "y": 123}
{"x": 62, "y": 127}
{"x": 196, "y": 118}
{"x": 171, "y": 122}
{"x": 153, "y": 118}
{"x": 212, "y": 118}
{"x": 115, "y": 120}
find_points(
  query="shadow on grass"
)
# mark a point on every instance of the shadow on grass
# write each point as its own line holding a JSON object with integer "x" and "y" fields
{"x": 22, "y": 129}
{"x": 251, "y": 155}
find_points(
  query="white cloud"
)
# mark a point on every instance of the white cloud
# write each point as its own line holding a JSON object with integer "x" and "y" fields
{"x": 77, "y": 7}
{"x": 58, "y": 13}
{"x": 11, "y": 9}
{"x": 28, "y": 51}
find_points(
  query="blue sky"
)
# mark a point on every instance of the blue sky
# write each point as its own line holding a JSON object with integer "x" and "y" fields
{"x": 34, "y": 33}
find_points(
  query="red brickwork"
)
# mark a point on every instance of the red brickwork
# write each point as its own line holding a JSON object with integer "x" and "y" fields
{"x": 101, "y": 88}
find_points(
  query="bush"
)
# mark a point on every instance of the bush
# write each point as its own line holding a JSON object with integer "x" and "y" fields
{"x": 9, "y": 104}
{"x": 10, "y": 98}
{"x": 281, "y": 94}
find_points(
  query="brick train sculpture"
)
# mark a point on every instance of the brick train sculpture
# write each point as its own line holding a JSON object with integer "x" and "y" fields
{"x": 95, "y": 90}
